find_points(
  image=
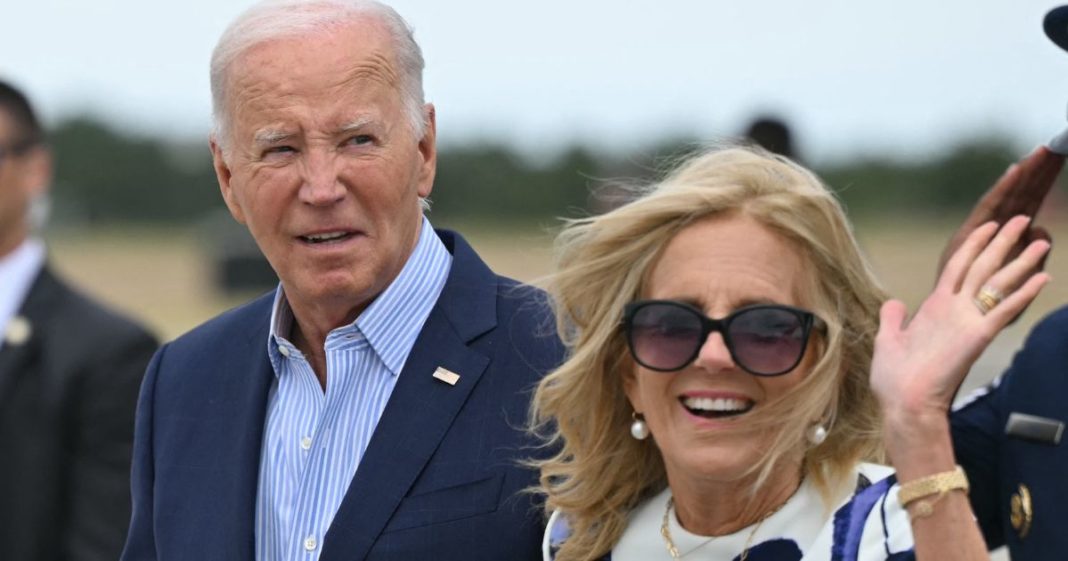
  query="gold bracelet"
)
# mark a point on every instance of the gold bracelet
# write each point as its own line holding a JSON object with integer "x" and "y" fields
{"x": 939, "y": 483}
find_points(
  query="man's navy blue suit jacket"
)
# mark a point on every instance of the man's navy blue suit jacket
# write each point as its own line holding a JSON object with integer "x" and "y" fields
{"x": 441, "y": 478}
{"x": 998, "y": 464}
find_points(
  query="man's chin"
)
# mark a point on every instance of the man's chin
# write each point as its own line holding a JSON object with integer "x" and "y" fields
{"x": 330, "y": 292}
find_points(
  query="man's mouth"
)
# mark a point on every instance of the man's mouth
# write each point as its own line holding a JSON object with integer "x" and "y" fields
{"x": 326, "y": 237}
{"x": 716, "y": 407}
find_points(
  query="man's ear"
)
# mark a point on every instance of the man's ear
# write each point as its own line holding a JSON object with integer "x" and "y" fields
{"x": 429, "y": 151}
{"x": 223, "y": 175}
{"x": 37, "y": 176}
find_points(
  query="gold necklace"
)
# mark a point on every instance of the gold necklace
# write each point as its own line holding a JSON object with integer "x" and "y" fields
{"x": 674, "y": 551}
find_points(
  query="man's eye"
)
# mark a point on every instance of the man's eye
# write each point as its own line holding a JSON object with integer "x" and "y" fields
{"x": 361, "y": 139}
{"x": 278, "y": 150}
{"x": 277, "y": 153}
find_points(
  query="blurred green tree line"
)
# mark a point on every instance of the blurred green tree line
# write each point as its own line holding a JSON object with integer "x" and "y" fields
{"x": 106, "y": 176}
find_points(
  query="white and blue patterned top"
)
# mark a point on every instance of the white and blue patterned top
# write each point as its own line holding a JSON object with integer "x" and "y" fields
{"x": 870, "y": 525}
{"x": 313, "y": 440}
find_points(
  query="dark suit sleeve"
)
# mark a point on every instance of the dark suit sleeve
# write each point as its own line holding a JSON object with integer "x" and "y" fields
{"x": 99, "y": 438}
{"x": 140, "y": 542}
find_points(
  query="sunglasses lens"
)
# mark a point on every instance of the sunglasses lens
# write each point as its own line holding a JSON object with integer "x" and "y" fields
{"x": 664, "y": 337}
{"x": 767, "y": 341}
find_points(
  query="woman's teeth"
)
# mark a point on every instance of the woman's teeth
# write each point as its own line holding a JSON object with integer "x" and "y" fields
{"x": 716, "y": 406}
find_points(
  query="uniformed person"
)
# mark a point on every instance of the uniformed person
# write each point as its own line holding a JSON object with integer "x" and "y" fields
{"x": 1009, "y": 436}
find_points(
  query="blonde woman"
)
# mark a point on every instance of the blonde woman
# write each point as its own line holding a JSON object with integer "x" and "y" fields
{"x": 720, "y": 398}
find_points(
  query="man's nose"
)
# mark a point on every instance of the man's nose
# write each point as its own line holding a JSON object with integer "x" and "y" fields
{"x": 321, "y": 182}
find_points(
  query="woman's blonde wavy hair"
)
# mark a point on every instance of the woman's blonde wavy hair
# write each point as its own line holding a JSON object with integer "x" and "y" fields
{"x": 600, "y": 473}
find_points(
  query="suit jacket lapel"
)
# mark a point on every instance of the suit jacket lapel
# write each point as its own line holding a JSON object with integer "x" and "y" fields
{"x": 251, "y": 411}
{"x": 16, "y": 359}
{"x": 210, "y": 443}
{"x": 243, "y": 413}
{"x": 421, "y": 408}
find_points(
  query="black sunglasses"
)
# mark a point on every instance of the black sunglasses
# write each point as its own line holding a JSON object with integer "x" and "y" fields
{"x": 765, "y": 340}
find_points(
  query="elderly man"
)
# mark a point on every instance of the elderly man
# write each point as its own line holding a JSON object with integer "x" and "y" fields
{"x": 372, "y": 407}
{"x": 69, "y": 373}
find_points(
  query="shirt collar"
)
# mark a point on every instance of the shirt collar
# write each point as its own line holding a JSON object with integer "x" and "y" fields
{"x": 281, "y": 328}
{"x": 394, "y": 319}
{"x": 18, "y": 270}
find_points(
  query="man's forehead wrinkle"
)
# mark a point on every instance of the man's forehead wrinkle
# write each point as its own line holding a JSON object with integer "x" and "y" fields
{"x": 250, "y": 88}
{"x": 253, "y": 85}
{"x": 375, "y": 67}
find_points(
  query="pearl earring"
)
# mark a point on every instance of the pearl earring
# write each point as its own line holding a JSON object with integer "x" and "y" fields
{"x": 816, "y": 434}
{"x": 638, "y": 429}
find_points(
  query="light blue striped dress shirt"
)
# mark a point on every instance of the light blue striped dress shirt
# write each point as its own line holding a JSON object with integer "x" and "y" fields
{"x": 313, "y": 441}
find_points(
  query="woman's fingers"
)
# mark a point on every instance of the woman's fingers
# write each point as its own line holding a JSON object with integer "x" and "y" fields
{"x": 892, "y": 316}
{"x": 890, "y": 344}
{"x": 1016, "y": 301}
{"x": 993, "y": 255}
{"x": 920, "y": 361}
{"x": 959, "y": 263}
{"x": 1014, "y": 273}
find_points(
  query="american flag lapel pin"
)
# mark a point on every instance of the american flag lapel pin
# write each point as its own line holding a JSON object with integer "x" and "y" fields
{"x": 447, "y": 376}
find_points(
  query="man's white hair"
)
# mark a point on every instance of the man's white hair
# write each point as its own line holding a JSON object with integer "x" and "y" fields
{"x": 276, "y": 19}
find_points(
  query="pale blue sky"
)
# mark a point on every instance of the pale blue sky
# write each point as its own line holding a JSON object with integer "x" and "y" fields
{"x": 900, "y": 77}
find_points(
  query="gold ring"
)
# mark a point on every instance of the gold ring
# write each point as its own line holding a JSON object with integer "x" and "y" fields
{"x": 987, "y": 298}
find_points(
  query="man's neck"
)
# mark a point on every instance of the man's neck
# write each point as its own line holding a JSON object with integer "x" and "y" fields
{"x": 314, "y": 351}
{"x": 11, "y": 241}
{"x": 313, "y": 323}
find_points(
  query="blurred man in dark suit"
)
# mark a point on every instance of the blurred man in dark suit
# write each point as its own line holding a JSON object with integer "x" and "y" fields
{"x": 69, "y": 375}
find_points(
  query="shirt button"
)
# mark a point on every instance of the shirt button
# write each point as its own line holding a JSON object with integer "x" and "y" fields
{"x": 283, "y": 350}
{"x": 305, "y": 443}
{"x": 309, "y": 543}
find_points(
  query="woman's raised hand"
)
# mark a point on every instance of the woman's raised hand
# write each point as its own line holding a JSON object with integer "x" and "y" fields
{"x": 920, "y": 362}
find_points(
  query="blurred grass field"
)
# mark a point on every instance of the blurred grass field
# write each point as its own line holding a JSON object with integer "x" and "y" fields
{"x": 162, "y": 276}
